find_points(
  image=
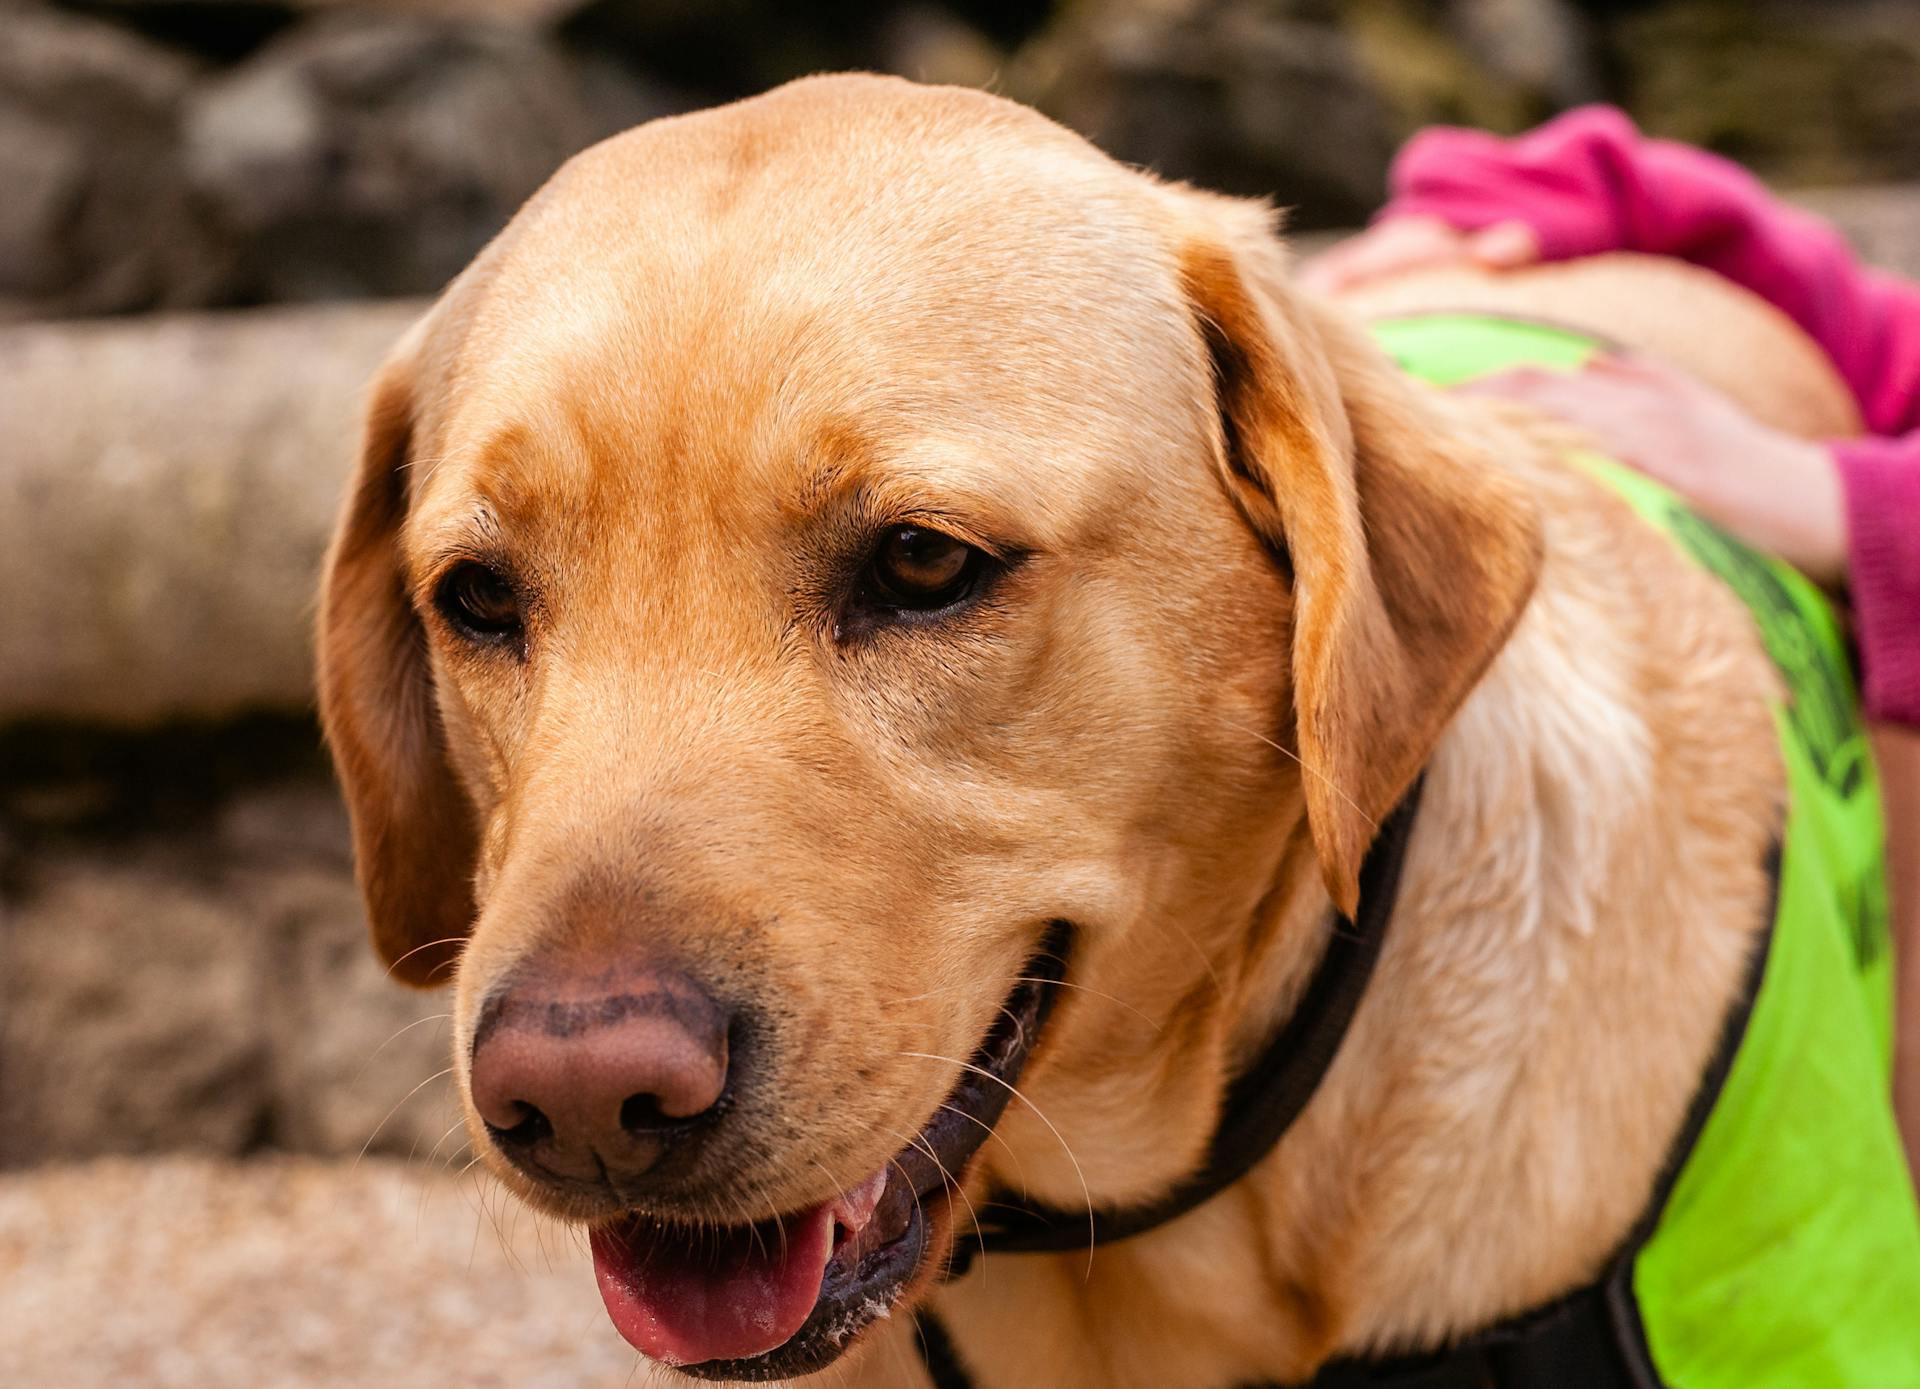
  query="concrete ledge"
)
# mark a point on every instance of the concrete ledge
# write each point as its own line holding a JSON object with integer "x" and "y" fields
{"x": 190, "y": 1274}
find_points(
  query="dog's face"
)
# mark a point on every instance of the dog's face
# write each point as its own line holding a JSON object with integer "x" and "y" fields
{"x": 828, "y": 628}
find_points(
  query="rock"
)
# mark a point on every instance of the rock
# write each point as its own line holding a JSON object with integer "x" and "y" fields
{"x": 354, "y": 1060}
{"x": 362, "y": 154}
{"x": 347, "y": 154}
{"x": 207, "y": 986}
{"x": 1300, "y": 100}
{"x": 724, "y": 49}
{"x": 1881, "y": 223}
{"x": 131, "y": 1020}
{"x": 195, "y": 1274}
{"x": 1803, "y": 94}
{"x": 929, "y": 43}
{"x": 1237, "y": 95}
{"x": 97, "y": 216}
{"x": 193, "y": 15}
{"x": 1547, "y": 48}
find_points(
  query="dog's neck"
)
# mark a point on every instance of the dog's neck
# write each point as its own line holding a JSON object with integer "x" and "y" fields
{"x": 1573, "y": 919}
{"x": 1578, "y": 903}
{"x": 1534, "y": 794}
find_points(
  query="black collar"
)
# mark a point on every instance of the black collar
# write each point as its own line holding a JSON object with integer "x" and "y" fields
{"x": 1262, "y": 1103}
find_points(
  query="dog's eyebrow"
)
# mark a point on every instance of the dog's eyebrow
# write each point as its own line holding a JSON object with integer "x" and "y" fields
{"x": 924, "y": 481}
{"x": 839, "y": 457}
{"x": 474, "y": 532}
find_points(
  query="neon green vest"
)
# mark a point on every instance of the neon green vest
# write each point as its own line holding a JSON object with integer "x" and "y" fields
{"x": 1788, "y": 1251}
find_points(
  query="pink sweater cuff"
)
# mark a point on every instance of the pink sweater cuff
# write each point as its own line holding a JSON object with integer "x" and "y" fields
{"x": 1881, "y": 482}
{"x": 1565, "y": 180}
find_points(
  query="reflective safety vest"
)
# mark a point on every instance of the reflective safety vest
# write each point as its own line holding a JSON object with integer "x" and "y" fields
{"x": 1782, "y": 1249}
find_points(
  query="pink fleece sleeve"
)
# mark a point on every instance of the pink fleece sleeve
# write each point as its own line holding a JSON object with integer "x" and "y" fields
{"x": 1590, "y": 182}
{"x": 1880, "y": 481}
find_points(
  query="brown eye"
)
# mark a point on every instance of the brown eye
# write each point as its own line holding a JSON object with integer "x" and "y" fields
{"x": 479, "y": 603}
{"x": 923, "y": 569}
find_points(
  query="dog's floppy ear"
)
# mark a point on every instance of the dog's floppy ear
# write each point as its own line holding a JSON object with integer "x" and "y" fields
{"x": 414, "y": 838}
{"x": 1412, "y": 555}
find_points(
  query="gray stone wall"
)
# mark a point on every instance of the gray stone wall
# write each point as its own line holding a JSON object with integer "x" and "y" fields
{"x": 199, "y": 153}
{"x": 215, "y": 216}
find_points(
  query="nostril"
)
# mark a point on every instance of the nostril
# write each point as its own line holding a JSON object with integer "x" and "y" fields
{"x": 642, "y": 1114}
{"x": 574, "y": 1082}
{"x": 533, "y": 1127}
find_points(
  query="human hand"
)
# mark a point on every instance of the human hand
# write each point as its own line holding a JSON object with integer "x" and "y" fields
{"x": 1417, "y": 242}
{"x": 1776, "y": 492}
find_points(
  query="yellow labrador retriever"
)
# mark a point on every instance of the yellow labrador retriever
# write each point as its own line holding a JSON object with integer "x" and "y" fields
{"x": 856, "y": 605}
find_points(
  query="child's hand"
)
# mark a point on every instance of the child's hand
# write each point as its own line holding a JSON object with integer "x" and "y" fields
{"x": 1776, "y": 492}
{"x": 1414, "y": 242}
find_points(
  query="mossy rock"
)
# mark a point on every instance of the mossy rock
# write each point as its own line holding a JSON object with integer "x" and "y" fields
{"x": 1802, "y": 94}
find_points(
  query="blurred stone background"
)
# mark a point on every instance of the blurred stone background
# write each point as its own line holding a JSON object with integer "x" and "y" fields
{"x": 212, "y": 153}
{"x": 216, "y": 214}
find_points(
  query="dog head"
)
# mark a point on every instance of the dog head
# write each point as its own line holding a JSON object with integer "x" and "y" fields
{"x": 853, "y": 604}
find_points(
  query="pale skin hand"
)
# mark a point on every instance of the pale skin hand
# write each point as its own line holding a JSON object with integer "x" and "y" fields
{"x": 1778, "y": 493}
{"x": 1772, "y": 490}
{"x": 1403, "y": 244}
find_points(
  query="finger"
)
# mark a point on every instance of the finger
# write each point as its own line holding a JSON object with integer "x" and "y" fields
{"x": 1612, "y": 415}
{"x": 1603, "y": 384}
{"x": 1521, "y": 383}
{"x": 1653, "y": 380}
{"x": 1389, "y": 248}
{"x": 1584, "y": 402}
{"x": 1504, "y": 245}
{"x": 1326, "y": 273}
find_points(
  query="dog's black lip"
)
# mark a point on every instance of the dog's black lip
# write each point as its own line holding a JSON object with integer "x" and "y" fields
{"x": 850, "y": 1299}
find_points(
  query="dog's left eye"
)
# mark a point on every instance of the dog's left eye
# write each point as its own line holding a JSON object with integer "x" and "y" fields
{"x": 923, "y": 570}
{"x": 479, "y": 603}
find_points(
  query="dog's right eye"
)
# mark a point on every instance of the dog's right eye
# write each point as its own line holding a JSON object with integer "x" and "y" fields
{"x": 479, "y": 603}
{"x": 922, "y": 569}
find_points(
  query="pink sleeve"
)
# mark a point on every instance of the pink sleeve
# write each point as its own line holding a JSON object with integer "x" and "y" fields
{"x": 1880, "y": 481}
{"x": 1590, "y": 182}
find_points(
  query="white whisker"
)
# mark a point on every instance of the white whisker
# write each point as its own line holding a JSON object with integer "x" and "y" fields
{"x": 432, "y": 1017}
{"x": 1038, "y": 1113}
{"x": 1313, "y": 772}
{"x": 448, "y": 1070}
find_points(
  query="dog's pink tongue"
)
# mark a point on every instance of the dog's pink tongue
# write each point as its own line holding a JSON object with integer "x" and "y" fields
{"x": 727, "y": 1294}
{"x": 733, "y": 1294}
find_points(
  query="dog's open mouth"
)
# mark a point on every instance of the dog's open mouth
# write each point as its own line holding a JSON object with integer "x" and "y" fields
{"x": 785, "y": 1297}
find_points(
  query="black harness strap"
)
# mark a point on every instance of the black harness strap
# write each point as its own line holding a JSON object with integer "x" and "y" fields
{"x": 1263, "y": 1101}
{"x": 1569, "y": 1344}
{"x": 942, "y": 1361}
{"x": 1592, "y": 1338}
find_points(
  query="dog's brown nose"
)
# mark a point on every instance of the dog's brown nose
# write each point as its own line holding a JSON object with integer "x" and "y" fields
{"x": 596, "y": 1078}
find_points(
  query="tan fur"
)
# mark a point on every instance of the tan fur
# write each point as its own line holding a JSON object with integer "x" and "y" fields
{"x": 413, "y": 834}
{"x": 1268, "y": 580}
